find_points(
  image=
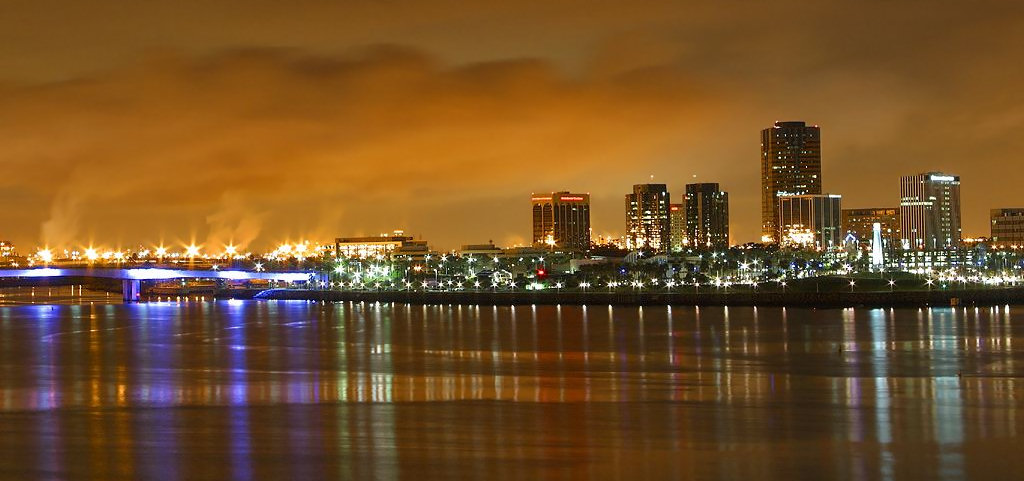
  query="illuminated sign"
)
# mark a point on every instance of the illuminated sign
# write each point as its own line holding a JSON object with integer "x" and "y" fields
{"x": 943, "y": 178}
{"x": 564, "y": 198}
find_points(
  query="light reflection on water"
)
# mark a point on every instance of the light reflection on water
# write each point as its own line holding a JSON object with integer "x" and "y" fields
{"x": 302, "y": 390}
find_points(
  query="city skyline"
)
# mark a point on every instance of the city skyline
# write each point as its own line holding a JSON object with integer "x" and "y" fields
{"x": 545, "y": 227}
{"x": 356, "y": 120}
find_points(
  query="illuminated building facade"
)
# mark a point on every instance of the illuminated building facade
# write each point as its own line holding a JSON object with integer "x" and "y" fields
{"x": 930, "y": 211}
{"x": 6, "y": 249}
{"x": 561, "y": 220}
{"x": 647, "y": 218}
{"x": 790, "y": 165}
{"x": 397, "y": 244}
{"x": 481, "y": 250}
{"x": 859, "y": 223}
{"x": 923, "y": 261}
{"x": 8, "y": 257}
{"x": 677, "y": 222}
{"x": 811, "y": 221}
{"x": 707, "y": 215}
{"x": 1007, "y": 227}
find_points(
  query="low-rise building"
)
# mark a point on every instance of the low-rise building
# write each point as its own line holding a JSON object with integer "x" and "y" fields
{"x": 481, "y": 250}
{"x": 397, "y": 244}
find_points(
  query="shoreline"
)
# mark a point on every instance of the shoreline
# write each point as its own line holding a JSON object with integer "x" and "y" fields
{"x": 935, "y": 298}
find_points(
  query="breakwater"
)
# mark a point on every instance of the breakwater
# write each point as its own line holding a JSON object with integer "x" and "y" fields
{"x": 977, "y": 297}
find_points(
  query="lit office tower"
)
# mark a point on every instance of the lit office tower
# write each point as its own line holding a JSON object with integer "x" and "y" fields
{"x": 811, "y": 221}
{"x": 930, "y": 211}
{"x": 1007, "y": 227}
{"x": 707, "y": 215}
{"x": 647, "y": 218}
{"x": 790, "y": 165}
{"x": 561, "y": 220}
{"x": 677, "y": 220}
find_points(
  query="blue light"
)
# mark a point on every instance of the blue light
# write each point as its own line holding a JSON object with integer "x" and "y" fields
{"x": 150, "y": 274}
{"x": 45, "y": 272}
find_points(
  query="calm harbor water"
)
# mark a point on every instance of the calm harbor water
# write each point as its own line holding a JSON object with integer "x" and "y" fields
{"x": 190, "y": 389}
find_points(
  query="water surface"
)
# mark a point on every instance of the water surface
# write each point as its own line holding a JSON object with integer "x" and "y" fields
{"x": 93, "y": 389}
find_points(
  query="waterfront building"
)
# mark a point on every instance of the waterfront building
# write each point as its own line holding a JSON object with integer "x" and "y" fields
{"x": 707, "y": 215}
{"x": 677, "y": 221}
{"x": 1007, "y": 227}
{"x": 481, "y": 250}
{"x": 811, "y": 221}
{"x": 6, "y": 249}
{"x": 859, "y": 224}
{"x": 790, "y": 165}
{"x": 647, "y": 218}
{"x": 930, "y": 211}
{"x": 396, "y": 244}
{"x": 8, "y": 257}
{"x": 561, "y": 220}
{"x": 928, "y": 261}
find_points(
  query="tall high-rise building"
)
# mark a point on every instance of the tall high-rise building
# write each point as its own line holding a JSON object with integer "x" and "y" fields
{"x": 790, "y": 165}
{"x": 860, "y": 224}
{"x": 1007, "y": 227}
{"x": 677, "y": 220}
{"x": 561, "y": 220}
{"x": 707, "y": 215}
{"x": 930, "y": 211}
{"x": 811, "y": 221}
{"x": 647, "y": 218}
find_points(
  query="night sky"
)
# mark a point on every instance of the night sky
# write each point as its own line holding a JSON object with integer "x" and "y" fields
{"x": 259, "y": 121}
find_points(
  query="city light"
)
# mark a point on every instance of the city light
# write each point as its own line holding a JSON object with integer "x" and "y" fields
{"x": 45, "y": 255}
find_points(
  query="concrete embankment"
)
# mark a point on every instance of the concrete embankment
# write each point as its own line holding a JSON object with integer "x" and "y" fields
{"x": 977, "y": 297}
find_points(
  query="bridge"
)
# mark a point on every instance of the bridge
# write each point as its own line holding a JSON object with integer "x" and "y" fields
{"x": 131, "y": 278}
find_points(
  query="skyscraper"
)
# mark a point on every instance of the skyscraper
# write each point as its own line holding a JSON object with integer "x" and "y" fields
{"x": 930, "y": 211}
{"x": 813, "y": 221}
{"x": 677, "y": 220}
{"x": 707, "y": 215}
{"x": 790, "y": 165}
{"x": 647, "y": 218}
{"x": 561, "y": 220}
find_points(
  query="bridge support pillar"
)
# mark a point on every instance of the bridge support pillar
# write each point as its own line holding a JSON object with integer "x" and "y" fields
{"x": 131, "y": 289}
